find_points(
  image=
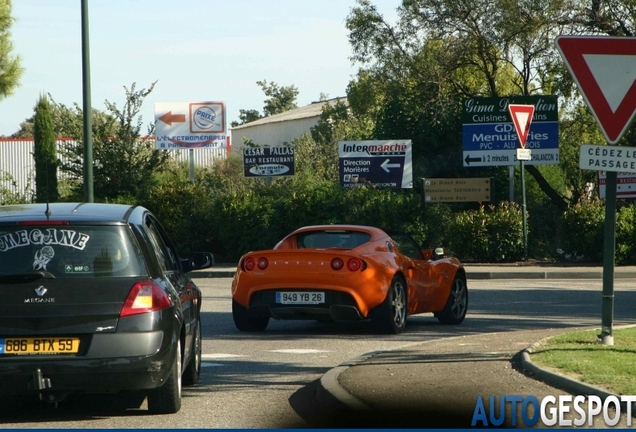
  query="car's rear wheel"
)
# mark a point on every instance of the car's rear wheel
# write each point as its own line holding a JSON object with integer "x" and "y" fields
{"x": 456, "y": 306}
{"x": 193, "y": 370}
{"x": 244, "y": 321}
{"x": 390, "y": 316}
{"x": 167, "y": 398}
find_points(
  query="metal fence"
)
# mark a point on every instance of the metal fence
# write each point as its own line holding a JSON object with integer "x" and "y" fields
{"x": 17, "y": 166}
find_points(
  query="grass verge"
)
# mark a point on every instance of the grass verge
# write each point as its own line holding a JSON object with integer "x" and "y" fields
{"x": 582, "y": 356}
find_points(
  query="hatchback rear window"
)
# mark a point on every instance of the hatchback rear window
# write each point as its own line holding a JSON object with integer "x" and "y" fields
{"x": 332, "y": 239}
{"x": 70, "y": 251}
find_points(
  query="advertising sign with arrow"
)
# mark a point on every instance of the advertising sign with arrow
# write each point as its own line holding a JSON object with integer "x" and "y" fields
{"x": 490, "y": 138}
{"x": 181, "y": 125}
{"x": 376, "y": 163}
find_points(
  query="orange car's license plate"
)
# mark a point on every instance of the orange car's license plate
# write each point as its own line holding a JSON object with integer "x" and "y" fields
{"x": 300, "y": 297}
{"x": 39, "y": 345}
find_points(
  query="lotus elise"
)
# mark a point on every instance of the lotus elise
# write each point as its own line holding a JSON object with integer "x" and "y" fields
{"x": 348, "y": 272}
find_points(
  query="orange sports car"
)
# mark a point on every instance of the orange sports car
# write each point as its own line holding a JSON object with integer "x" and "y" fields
{"x": 347, "y": 272}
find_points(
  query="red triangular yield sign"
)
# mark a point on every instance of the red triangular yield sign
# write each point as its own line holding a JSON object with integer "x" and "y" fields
{"x": 522, "y": 118}
{"x": 604, "y": 69}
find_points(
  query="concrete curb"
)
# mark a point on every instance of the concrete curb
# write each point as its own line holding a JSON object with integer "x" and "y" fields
{"x": 556, "y": 380}
{"x": 567, "y": 384}
{"x": 547, "y": 275}
{"x": 330, "y": 386}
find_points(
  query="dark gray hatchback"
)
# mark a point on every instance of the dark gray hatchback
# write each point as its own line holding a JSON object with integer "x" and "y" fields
{"x": 95, "y": 299}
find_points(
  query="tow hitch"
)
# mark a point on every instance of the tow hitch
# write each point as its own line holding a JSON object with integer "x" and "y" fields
{"x": 42, "y": 386}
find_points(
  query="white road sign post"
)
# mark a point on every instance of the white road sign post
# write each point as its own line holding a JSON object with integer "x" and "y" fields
{"x": 522, "y": 119}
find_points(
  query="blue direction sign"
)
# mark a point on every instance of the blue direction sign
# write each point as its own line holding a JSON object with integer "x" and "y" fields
{"x": 489, "y": 135}
{"x": 376, "y": 163}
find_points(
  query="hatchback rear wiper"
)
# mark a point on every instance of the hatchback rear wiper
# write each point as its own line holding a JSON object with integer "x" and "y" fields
{"x": 25, "y": 277}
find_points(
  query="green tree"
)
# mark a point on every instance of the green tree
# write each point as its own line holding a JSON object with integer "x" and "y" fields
{"x": 441, "y": 51}
{"x": 10, "y": 69}
{"x": 279, "y": 99}
{"x": 246, "y": 116}
{"x": 126, "y": 163}
{"x": 45, "y": 152}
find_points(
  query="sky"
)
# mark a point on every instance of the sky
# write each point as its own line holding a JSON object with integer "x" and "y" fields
{"x": 196, "y": 51}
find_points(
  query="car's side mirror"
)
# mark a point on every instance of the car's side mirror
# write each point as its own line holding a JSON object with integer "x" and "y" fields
{"x": 198, "y": 261}
{"x": 437, "y": 253}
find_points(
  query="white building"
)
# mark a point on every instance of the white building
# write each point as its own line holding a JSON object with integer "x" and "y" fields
{"x": 278, "y": 129}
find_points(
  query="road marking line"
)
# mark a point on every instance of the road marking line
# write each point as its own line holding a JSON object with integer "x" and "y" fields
{"x": 217, "y": 356}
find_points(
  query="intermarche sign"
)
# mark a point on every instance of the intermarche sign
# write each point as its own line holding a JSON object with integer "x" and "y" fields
{"x": 438, "y": 190}
{"x": 489, "y": 135}
{"x": 385, "y": 164}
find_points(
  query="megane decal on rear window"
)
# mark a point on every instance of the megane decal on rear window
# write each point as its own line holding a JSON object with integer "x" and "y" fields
{"x": 42, "y": 258}
{"x": 50, "y": 236}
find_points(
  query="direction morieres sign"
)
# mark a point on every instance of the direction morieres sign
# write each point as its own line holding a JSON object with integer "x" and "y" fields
{"x": 379, "y": 163}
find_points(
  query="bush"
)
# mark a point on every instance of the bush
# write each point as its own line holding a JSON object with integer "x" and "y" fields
{"x": 489, "y": 234}
{"x": 582, "y": 231}
{"x": 626, "y": 235}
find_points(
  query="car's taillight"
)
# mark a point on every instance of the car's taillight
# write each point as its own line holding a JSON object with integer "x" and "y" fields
{"x": 337, "y": 263}
{"x": 262, "y": 263}
{"x": 354, "y": 264}
{"x": 249, "y": 264}
{"x": 145, "y": 297}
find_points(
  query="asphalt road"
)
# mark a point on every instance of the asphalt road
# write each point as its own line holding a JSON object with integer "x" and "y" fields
{"x": 269, "y": 380}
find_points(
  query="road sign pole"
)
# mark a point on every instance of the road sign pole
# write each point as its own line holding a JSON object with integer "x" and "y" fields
{"x": 511, "y": 182}
{"x": 609, "y": 250}
{"x": 521, "y": 119}
{"x": 523, "y": 209}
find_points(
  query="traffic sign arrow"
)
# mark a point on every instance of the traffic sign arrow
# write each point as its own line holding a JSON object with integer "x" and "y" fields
{"x": 468, "y": 159}
{"x": 386, "y": 165}
{"x": 169, "y": 118}
{"x": 604, "y": 68}
{"x": 522, "y": 118}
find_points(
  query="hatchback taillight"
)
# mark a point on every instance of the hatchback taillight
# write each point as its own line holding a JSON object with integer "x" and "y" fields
{"x": 145, "y": 297}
